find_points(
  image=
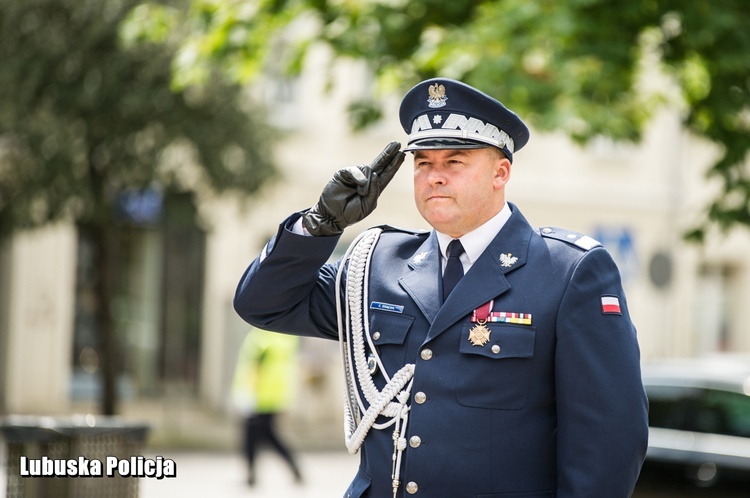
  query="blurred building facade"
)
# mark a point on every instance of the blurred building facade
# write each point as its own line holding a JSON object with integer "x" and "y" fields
{"x": 180, "y": 335}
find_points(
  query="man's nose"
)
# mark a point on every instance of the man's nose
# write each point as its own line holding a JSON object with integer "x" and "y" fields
{"x": 436, "y": 176}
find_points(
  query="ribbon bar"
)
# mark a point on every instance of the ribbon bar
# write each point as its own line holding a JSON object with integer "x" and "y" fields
{"x": 484, "y": 314}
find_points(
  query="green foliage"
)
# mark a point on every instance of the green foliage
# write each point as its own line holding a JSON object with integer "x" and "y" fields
{"x": 87, "y": 112}
{"x": 234, "y": 32}
{"x": 708, "y": 48}
{"x": 570, "y": 65}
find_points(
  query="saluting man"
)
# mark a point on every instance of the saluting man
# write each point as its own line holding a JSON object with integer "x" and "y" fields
{"x": 484, "y": 358}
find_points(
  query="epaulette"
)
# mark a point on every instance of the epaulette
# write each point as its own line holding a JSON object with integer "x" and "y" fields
{"x": 574, "y": 238}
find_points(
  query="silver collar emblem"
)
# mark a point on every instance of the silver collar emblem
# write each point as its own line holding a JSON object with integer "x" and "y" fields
{"x": 507, "y": 260}
{"x": 420, "y": 257}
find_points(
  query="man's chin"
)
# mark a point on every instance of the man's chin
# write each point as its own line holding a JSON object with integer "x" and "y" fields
{"x": 443, "y": 224}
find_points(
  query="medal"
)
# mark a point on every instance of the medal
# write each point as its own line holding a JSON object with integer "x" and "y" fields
{"x": 479, "y": 335}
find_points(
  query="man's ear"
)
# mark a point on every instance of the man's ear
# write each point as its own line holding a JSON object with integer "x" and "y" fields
{"x": 502, "y": 172}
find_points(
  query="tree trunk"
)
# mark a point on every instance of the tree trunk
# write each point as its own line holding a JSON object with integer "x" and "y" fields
{"x": 104, "y": 237}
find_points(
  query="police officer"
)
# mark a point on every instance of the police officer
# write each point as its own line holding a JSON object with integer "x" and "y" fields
{"x": 483, "y": 358}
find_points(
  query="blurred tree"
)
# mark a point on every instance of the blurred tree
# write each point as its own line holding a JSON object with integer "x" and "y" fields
{"x": 87, "y": 114}
{"x": 564, "y": 65}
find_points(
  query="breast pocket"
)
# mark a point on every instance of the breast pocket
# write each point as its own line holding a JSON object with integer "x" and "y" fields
{"x": 495, "y": 374}
{"x": 389, "y": 328}
{"x": 388, "y": 332}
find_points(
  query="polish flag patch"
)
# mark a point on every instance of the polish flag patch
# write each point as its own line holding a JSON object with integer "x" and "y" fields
{"x": 611, "y": 305}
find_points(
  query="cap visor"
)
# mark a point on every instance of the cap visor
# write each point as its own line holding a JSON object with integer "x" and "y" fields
{"x": 444, "y": 143}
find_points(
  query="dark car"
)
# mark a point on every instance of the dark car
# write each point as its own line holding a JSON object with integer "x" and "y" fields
{"x": 699, "y": 417}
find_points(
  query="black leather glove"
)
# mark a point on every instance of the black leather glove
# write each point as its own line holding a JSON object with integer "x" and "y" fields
{"x": 353, "y": 193}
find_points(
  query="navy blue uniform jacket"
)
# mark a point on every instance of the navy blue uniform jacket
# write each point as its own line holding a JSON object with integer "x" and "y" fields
{"x": 559, "y": 411}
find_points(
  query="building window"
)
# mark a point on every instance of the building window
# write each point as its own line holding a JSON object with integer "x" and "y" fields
{"x": 714, "y": 308}
{"x": 157, "y": 306}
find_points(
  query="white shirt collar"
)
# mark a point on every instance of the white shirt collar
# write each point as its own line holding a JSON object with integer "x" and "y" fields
{"x": 476, "y": 241}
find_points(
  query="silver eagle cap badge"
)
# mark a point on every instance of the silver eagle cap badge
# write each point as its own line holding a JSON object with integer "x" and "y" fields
{"x": 437, "y": 96}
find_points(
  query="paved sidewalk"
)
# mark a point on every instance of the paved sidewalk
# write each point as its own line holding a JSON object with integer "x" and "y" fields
{"x": 200, "y": 474}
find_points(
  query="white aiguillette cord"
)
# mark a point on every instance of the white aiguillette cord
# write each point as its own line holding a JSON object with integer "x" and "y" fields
{"x": 354, "y": 328}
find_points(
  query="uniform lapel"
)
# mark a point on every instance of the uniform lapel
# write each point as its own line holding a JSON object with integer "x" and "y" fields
{"x": 422, "y": 282}
{"x": 486, "y": 279}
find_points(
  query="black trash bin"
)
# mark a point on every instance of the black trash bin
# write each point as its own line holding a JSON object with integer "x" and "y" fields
{"x": 70, "y": 448}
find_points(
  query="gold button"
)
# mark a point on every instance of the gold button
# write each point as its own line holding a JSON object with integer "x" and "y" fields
{"x": 415, "y": 441}
{"x": 420, "y": 397}
{"x": 376, "y": 336}
{"x": 496, "y": 349}
{"x": 426, "y": 354}
{"x": 411, "y": 487}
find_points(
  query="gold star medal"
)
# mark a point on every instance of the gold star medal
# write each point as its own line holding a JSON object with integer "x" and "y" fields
{"x": 479, "y": 335}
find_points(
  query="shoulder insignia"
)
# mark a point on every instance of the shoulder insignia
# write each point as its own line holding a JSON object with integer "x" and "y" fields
{"x": 583, "y": 241}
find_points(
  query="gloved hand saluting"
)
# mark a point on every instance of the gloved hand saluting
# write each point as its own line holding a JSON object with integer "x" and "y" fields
{"x": 353, "y": 193}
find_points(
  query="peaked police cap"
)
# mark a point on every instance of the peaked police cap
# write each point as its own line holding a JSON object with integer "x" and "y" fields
{"x": 442, "y": 113}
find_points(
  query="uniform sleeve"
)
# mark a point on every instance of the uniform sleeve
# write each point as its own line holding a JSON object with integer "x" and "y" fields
{"x": 289, "y": 287}
{"x": 602, "y": 407}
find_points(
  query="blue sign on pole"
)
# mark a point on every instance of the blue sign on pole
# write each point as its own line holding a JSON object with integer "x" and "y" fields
{"x": 619, "y": 242}
{"x": 140, "y": 206}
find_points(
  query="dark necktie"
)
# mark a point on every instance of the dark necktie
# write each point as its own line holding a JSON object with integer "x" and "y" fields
{"x": 454, "y": 270}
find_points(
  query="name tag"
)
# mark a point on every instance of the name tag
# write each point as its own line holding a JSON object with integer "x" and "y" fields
{"x": 393, "y": 308}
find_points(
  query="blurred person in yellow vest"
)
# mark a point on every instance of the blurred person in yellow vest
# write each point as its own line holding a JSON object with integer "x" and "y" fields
{"x": 262, "y": 387}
